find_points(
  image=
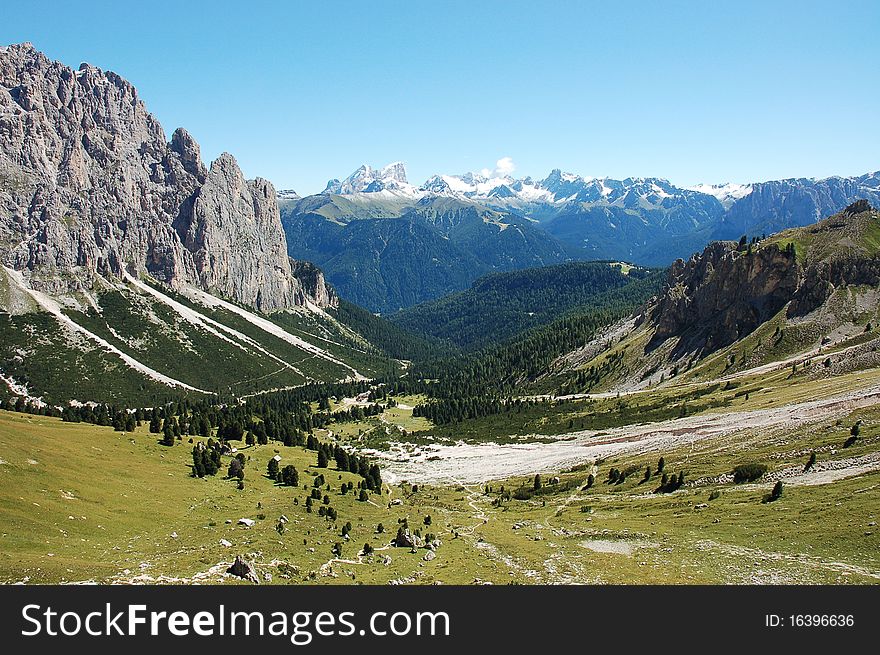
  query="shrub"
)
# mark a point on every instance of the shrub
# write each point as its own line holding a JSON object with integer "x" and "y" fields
{"x": 748, "y": 472}
{"x": 523, "y": 493}
{"x": 670, "y": 483}
{"x": 715, "y": 495}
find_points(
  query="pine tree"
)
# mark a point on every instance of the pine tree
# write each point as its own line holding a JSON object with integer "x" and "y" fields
{"x": 198, "y": 463}
{"x": 168, "y": 437}
{"x": 234, "y": 469}
{"x": 777, "y": 491}
{"x": 290, "y": 476}
{"x": 811, "y": 462}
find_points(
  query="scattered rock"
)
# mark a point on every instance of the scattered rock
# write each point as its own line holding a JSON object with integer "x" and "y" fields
{"x": 225, "y": 543}
{"x": 246, "y": 522}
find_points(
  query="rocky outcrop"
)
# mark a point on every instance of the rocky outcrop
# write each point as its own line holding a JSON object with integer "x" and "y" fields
{"x": 90, "y": 187}
{"x": 314, "y": 285}
{"x": 243, "y": 569}
{"x": 724, "y": 293}
{"x": 728, "y": 290}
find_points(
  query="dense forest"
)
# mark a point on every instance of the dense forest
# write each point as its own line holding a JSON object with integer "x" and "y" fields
{"x": 499, "y": 306}
{"x": 394, "y": 341}
{"x": 475, "y": 385}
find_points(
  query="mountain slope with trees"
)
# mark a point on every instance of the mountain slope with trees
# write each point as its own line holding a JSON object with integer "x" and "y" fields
{"x": 501, "y": 305}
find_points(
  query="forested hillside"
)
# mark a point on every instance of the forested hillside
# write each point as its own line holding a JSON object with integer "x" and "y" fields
{"x": 499, "y": 306}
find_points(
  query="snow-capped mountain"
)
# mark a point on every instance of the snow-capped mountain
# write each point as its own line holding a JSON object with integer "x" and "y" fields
{"x": 507, "y": 192}
{"x": 371, "y": 232}
{"x": 369, "y": 180}
{"x": 727, "y": 193}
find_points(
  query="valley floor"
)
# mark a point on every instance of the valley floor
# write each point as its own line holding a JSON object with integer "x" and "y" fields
{"x": 81, "y": 503}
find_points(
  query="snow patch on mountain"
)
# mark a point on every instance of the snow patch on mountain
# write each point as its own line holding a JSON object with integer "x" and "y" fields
{"x": 726, "y": 194}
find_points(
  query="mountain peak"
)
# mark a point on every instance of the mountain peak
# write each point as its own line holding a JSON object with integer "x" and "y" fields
{"x": 366, "y": 179}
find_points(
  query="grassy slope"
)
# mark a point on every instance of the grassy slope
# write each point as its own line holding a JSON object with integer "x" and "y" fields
{"x": 129, "y": 494}
{"x": 134, "y": 493}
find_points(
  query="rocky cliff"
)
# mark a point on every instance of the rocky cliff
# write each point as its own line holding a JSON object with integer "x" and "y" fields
{"x": 728, "y": 290}
{"x": 90, "y": 186}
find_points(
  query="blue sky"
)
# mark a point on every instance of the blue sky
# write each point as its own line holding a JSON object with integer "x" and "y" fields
{"x": 302, "y": 92}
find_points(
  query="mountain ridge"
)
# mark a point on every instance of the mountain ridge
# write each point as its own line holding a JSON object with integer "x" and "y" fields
{"x": 92, "y": 189}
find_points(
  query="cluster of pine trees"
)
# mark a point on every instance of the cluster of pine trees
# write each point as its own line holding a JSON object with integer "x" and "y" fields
{"x": 206, "y": 458}
{"x": 347, "y": 461}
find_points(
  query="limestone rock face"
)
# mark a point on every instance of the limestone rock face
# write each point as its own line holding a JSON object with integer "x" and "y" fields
{"x": 727, "y": 291}
{"x": 724, "y": 293}
{"x": 90, "y": 187}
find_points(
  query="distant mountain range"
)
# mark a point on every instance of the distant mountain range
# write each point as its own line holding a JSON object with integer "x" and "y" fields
{"x": 454, "y": 228}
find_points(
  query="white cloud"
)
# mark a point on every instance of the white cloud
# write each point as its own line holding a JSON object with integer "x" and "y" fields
{"x": 504, "y": 166}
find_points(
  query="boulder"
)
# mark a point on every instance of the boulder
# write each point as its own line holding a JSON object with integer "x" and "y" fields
{"x": 243, "y": 569}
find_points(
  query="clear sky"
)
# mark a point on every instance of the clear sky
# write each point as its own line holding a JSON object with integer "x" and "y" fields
{"x": 301, "y": 92}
